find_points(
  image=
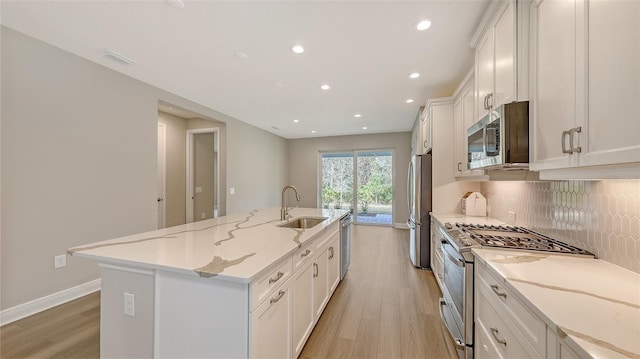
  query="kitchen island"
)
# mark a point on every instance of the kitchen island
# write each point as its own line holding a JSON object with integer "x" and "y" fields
{"x": 231, "y": 287}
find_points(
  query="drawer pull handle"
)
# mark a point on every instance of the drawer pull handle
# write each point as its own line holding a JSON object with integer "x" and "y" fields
{"x": 306, "y": 253}
{"x": 331, "y": 250}
{"x": 494, "y": 332}
{"x": 280, "y": 294}
{"x": 276, "y": 278}
{"x": 499, "y": 294}
{"x": 315, "y": 270}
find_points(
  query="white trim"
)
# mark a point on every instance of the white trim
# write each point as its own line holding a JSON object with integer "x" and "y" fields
{"x": 400, "y": 226}
{"x": 35, "y": 306}
{"x": 162, "y": 174}
{"x": 189, "y": 169}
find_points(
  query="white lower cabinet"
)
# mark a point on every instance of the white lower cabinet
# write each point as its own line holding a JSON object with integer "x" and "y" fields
{"x": 333, "y": 264}
{"x": 302, "y": 304}
{"x": 506, "y": 328}
{"x": 271, "y": 326}
{"x": 320, "y": 282}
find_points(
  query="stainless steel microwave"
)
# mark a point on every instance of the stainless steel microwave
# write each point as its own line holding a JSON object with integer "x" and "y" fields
{"x": 500, "y": 140}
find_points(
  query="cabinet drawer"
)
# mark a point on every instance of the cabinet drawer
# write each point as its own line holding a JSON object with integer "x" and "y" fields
{"x": 439, "y": 269}
{"x": 262, "y": 287}
{"x": 330, "y": 233}
{"x": 505, "y": 302}
{"x": 303, "y": 255}
{"x": 485, "y": 346}
{"x": 509, "y": 342}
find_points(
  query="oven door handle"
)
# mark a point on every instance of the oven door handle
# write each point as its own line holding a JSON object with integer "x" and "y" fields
{"x": 459, "y": 344}
{"x": 457, "y": 261}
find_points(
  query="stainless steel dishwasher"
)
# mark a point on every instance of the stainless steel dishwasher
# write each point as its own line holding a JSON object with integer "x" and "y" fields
{"x": 345, "y": 245}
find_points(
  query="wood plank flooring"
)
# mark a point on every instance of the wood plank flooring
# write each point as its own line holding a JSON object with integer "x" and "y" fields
{"x": 384, "y": 308}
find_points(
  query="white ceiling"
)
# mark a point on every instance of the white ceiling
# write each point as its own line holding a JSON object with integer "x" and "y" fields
{"x": 364, "y": 49}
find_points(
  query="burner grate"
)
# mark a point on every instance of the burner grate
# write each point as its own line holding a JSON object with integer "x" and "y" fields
{"x": 514, "y": 237}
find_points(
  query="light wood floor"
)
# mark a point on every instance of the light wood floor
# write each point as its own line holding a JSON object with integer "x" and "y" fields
{"x": 384, "y": 308}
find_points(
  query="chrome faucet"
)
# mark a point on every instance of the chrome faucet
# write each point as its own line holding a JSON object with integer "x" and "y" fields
{"x": 284, "y": 212}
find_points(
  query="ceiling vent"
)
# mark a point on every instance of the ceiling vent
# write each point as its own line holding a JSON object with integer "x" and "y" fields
{"x": 110, "y": 54}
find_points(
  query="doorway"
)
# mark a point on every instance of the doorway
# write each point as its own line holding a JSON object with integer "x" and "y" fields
{"x": 360, "y": 181}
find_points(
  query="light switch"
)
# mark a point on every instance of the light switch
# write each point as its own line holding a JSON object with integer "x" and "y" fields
{"x": 198, "y": 189}
{"x": 232, "y": 190}
{"x": 129, "y": 304}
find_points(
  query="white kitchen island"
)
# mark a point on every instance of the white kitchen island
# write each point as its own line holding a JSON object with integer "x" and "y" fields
{"x": 231, "y": 287}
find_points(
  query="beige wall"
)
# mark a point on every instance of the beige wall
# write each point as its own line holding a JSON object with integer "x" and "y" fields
{"x": 204, "y": 175}
{"x": 304, "y": 164}
{"x": 78, "y": 163}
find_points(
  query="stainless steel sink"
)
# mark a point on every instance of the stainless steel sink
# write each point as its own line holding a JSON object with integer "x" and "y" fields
{"x": 303, "y": 222}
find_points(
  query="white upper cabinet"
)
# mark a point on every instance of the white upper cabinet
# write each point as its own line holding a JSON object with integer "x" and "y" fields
{"x": 501, "y": 64}
{"x": 585, "y": 110}
{"x": 426, "y": 130}
{"x": 463, "y": 118}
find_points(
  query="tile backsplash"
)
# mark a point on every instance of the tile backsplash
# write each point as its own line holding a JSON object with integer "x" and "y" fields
{"x": 602, "y": 217}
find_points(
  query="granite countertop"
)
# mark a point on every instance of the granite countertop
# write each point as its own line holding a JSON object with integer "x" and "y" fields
{"x": 593, "y": 305}
{"x": 235, "y": 248}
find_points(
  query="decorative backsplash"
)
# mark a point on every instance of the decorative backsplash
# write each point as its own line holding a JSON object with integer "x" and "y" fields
{"x": 602, "y": 217}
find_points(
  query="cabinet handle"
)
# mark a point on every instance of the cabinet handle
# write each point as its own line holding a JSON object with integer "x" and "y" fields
{"x": 574, "y": 131}
{"x": 484, "y": 104}
{"x": 459, "y": 164}
{"x": 277, "y": 298}
{"x": 306, "y": 253}
{"x": 331, "y": 250}
{"x": 276, "y": 278}
{"x": 315, "y": 270}
{"x": 499, "y": 294}
{"x": 490, "y": 101}
{"x": 564, "y": 142}
{"x": 494, "y": 332}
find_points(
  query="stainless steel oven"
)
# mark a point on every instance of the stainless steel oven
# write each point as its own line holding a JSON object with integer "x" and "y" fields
{"x": 456, "y": 304}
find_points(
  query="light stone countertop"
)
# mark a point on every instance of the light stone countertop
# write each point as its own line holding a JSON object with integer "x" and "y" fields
{"x": 591, "y": 304}
{"x": 235, "y": 248}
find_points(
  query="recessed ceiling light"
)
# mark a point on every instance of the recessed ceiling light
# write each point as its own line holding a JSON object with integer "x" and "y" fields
{"x": 296, "y": 121}
{"x": 357, "y": 115}
{"x": 414, "y": 75}
{"x": 178, "y": 4}
{"x": 325, "y": 87}
{"x": 297, "y": 49}
{"x": 409, "y": 100}
{"x": 313, "y": 131}
{"x": 118, "y": 57}
{"x": 423, "y": 25}
{"x": 364, "y": 128}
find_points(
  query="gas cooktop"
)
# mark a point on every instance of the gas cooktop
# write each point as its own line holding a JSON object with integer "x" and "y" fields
{"x": 513, "y": 237}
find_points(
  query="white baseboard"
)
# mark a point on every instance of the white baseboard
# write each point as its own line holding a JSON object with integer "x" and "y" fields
{"x": 20, "y": 311}
{"x": 401, "y": 226}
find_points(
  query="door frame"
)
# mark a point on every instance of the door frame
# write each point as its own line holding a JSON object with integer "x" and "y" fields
{"x": 162, "y": 174}
{"x": 190, "y": 168}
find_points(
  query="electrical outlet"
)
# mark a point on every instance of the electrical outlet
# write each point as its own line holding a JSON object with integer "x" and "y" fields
{"x": 203, "y": 215}
{"x": 232, "y": 190}
{"x": 59, "y": 261}
{"x": 129, "y": 304}
{"x": 512, "y": 217}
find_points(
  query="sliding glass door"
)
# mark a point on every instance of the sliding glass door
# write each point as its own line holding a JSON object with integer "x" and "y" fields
{"x": 360, "y": 181}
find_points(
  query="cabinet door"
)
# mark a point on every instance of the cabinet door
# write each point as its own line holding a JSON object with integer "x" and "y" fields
{"x": 613, "y": 128}
{"x": 271, "y": 324}
{"x": 504, "y": 61}
{"x": 554, "y": 97}
{"x": 426, "y": 131}
{"x": 302, "y": 307}
{"x": 333, "y": 264}
{"x": 320, "y": 282}
{"x": 459, "y": 139}
{"x": 484, "y": 73}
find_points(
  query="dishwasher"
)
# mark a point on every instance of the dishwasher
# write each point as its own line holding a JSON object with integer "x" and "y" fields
{"x": 345, "y": 245}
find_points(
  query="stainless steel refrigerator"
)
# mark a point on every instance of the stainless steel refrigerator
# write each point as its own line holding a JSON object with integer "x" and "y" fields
{"x": 419, "y": 199}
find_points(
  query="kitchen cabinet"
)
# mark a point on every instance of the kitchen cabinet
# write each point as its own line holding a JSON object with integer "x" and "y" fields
{"x": 582, "y": 112}
{"x": 302, "y": 307}
{"x": 271, "y": 326}
{"x": 427, "y": 132}
{"x": 501, "y": 66}
{"x": 417, "y": 145}
{"x": 557, "y": 349}
{"x": 463, "y": 118}
{"x": 333, "y": 264}
{"x": 320, "y": 282}
{"x": 437, "y": 264}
